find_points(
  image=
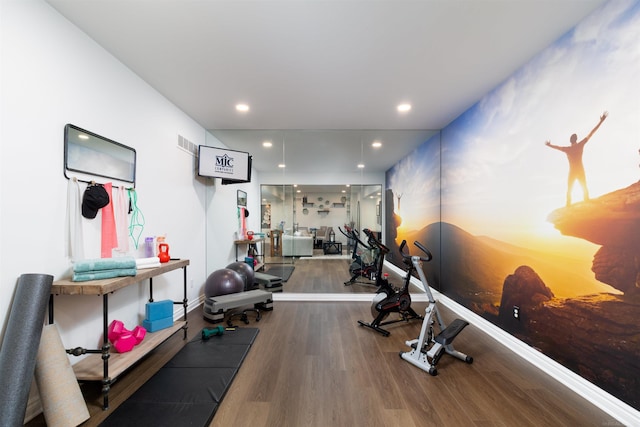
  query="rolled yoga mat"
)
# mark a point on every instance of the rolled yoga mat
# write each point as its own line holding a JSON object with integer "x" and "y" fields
{"x": 20, "y": 345}
{"x": 62, "y": 401}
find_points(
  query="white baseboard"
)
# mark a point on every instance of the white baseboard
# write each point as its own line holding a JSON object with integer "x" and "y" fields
{"x": 191, "y": 305}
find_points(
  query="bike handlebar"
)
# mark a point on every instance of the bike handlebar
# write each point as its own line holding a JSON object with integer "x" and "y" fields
{"x": 373, "y": 241}
{"x": 407, "y": 257}
{"x": 353, "y": 234}
{"x": 425, "y": 250}
{"x": 348, "y": 236}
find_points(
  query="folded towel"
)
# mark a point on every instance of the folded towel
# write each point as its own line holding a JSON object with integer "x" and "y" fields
{"x": 92, "y": 265}
{"x": 103, "y": 274}
{"x": 147, "y": 261}
{"x": 152, "y": 265}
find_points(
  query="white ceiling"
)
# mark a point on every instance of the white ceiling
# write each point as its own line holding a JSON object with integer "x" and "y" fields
{"x": 323, "y": 78}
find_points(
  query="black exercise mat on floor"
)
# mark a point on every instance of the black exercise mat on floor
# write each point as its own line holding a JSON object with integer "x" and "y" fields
{"x": 188, "y": 389}
{"x": 283, "y": 271}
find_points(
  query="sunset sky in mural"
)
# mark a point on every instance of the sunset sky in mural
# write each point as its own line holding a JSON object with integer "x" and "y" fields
{"x": 499, "y": 179}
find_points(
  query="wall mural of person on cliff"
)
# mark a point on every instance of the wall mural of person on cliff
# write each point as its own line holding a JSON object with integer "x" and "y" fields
{"x": 484, "y": 196}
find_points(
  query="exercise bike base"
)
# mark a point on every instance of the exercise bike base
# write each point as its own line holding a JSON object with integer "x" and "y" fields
{"x": 404, "y": 318}
{"x": 375, "y": 328}
{"x": 426, "y": 352}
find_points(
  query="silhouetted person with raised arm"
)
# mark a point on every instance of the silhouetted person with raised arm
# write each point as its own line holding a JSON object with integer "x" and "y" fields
{"x": 574, "y": 155}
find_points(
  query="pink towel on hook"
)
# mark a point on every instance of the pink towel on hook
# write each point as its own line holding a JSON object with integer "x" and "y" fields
{"x": 243, "y": 223}
{"x": 120, "y": 211}
{"x": 109, "y": 236}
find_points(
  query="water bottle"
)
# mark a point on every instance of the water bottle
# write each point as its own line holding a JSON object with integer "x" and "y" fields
{"x": 148, "y": 247}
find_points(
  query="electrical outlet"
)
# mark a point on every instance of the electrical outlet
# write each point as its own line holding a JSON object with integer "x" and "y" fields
{"x": 516, "y": 312}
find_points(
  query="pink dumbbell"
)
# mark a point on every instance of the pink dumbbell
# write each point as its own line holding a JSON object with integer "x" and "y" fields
{"x": 116, "y": 329}
{"x": 124, "y": 340}
{"x": 139, "y": 332}
{"x": 124, "y": 343}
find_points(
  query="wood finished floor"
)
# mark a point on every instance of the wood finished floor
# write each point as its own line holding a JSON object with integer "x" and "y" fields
{"x": 313, "y": 365}
{"x": 323, "y": 275}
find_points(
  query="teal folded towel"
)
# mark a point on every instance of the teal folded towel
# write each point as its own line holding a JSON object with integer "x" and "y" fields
{"x": 103, "y": 274}
{"x": 86, "y": 265}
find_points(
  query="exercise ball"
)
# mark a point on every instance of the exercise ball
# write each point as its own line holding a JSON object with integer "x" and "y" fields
{"x": 244, "y": 270}
{"x": 222, "y": 282}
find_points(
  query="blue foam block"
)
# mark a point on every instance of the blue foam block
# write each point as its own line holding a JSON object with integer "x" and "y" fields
{"x": 156, "y": 325}
{"x": 248, "y": 260}
{"x": 159, "y": 310}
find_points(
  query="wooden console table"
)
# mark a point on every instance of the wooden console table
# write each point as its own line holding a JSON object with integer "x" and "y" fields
{"x": 113, "y": 364}
{"x": 253, "y": 243}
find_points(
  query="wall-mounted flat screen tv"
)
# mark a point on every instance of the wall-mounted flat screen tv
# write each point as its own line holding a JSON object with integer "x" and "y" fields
{"x": 229, "y": 165}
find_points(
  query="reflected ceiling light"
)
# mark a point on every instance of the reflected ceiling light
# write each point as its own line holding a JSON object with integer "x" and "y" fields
{"x": 282, "y": 165}
{"x": 344, "y": 191}
{"x": 360, "y": 166}
{"x": 376, "y": 144}
{"x": 267, "y": 144}
{"x": 243, "y": 108}
{"x": 403, "y": 108}
{"x": 83, "y": 136}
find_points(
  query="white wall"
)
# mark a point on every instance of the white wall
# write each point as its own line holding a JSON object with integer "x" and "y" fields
{"x": 53, "y": 74}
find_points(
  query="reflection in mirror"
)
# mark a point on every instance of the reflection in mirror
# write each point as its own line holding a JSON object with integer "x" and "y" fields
{"x": 302, "y": 226}
{"x": 90, "y": 155}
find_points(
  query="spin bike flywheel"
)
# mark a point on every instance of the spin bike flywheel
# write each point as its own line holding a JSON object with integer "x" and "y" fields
{"x": 377, "y": 300}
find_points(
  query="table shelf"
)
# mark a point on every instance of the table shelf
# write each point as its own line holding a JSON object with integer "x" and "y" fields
{"x": 90, "y": 368}
{"x": 104, "y": 364}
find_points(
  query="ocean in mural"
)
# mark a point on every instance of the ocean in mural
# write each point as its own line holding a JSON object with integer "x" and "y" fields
{"x": 488, "y": 196}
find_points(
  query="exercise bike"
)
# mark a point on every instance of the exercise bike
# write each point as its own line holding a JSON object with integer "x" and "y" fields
{"x": 428, "y": 348}
{"x": 389, "y": 299}
{"x": 365, "y": 260}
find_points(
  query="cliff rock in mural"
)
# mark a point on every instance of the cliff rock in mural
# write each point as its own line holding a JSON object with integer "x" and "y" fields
{"x": 612, "y": 221}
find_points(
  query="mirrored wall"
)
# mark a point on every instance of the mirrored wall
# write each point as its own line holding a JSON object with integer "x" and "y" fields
{"x": 299, "y": 220}
{"x": 307, "y": 197}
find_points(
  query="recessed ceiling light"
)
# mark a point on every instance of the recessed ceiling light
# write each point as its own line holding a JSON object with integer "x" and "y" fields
{"x": 243, "y": 108}
{"x": 376, "y": 144}
{"x": 403, "y": 108}
{"x": 282, "y": 165}
{"x": 360, "y": 166}
{"x": 267, "y": 144}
